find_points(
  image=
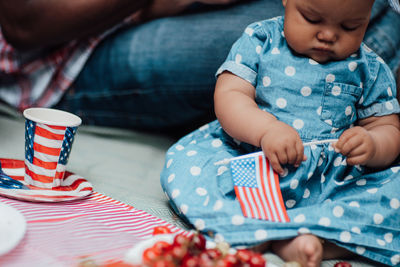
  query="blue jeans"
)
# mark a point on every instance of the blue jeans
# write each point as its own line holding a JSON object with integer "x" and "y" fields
{"x": 159, "y": 76}
{"x": 383, "y": 35}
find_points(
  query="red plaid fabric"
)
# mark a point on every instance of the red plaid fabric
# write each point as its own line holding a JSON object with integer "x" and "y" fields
{"x": 40, "y": 78}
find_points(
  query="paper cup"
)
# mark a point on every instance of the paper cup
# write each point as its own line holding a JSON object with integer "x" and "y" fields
{"x": 49, "y": 134}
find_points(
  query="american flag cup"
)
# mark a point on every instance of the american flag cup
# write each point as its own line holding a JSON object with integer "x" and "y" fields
{"x": 49, "y": 134}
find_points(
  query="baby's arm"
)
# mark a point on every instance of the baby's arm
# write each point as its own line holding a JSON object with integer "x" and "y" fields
{"x": 242, "y": 119}
{"x": 375, "y": 142}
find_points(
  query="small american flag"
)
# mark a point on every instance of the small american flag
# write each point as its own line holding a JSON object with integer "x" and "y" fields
{"x": 47, "y": 149}
{"x": 257, "y": 188}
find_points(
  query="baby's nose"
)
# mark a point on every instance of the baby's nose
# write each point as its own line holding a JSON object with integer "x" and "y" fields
{"x": 327, "y": 35}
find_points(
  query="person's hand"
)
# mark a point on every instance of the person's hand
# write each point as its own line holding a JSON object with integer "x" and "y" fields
{"x": 357, "y": 145}
{"x": 282, "y": 145}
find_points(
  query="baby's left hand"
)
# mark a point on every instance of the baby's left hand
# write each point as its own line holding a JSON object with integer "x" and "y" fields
{"x": 357, "y": 145}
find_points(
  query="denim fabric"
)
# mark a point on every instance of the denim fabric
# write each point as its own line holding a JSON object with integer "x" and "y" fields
{"x": 160, "y": 75}
{"x": 383, "y": 34}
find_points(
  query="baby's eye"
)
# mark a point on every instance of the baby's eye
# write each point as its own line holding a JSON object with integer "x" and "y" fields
{"x": 350, "y": 28}
{"x": 311, "y": 19}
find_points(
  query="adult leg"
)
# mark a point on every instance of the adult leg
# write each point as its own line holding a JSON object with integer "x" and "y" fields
{"x": 161, "y": 75}
{"x": 382, "y": 34}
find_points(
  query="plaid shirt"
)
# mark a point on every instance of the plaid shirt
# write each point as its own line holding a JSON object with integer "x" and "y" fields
{"x": 395, "y": 4}
{"x": 40, "y": 78}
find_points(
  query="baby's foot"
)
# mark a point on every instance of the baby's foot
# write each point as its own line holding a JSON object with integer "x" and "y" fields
{"x": 304, "y": 249}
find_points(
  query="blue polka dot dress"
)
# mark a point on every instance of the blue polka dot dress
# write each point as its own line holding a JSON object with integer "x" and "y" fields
{"x": 353, "y": 206}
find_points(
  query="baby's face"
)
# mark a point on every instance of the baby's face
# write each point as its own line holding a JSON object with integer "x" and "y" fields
{"x": 326, "y": 30}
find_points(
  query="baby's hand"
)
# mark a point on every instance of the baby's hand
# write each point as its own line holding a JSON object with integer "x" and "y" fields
{"x": 282, "y": 145}
{"x": 357, "y": 145}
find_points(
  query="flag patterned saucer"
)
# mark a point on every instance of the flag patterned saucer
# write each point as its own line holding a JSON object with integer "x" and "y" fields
{"x": 12, "y": 185}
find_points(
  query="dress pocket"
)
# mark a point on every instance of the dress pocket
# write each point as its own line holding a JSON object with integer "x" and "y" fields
{"x": 339, "y": 104}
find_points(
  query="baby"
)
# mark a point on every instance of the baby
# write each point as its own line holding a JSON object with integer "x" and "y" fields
{"x": 294, "y": 79}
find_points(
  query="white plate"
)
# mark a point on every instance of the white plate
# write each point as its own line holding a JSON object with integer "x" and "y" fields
{"x": 12, "y": 228}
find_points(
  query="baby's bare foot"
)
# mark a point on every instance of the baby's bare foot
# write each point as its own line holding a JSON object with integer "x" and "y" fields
{"x": 304, "y": 249}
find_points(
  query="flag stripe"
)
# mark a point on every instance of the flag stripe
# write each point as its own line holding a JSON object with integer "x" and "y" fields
{"x": 254, "y": 202}
{"x": 44, "y": 164}
{"x": 45, "y": 157}
{"x": 246, "y": 197}
{"x": 48, "y": 142}
{"x": 46, "y": 150}
{"x": 280, "y": 198}
{"x": 242, "y": 203}
{"x": 264, "y": 214}
{"x": 41, "y": 131}
{"x": 57, "y": 127}
{"x": 268, "y": 189}
{"x": 271, "y": 193}
{"x": 38, "y": 177}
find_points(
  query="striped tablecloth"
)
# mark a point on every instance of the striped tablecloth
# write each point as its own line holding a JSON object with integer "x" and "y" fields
{"x": 97, "y": 227}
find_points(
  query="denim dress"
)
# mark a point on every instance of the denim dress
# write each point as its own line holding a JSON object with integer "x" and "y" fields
{"x": 352, "y": 206}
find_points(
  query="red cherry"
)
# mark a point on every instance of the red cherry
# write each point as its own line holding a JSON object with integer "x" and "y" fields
{"x": 244, "y": 255}
{"x": 190, "y": 261}
{"x": 228, "y": 261}
{"x": 161, "y": 247}
{"x": 257, "y": 260}
{"x": 149, "y": 256}
{"x": 208, "y": 257}
{"x": 342, "y": 264}
{"x": 178, "y": 252}
{"x": 181, "y": 240}
{"x": 211, "y": 253}
{"x": 158, "y": 230}
{"x": 199, "y": 241}
{"x": 163, "y": 263}
{"x": 223, "y": 263}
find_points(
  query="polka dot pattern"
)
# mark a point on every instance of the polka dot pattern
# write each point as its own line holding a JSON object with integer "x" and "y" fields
{"x": 345, "y": 236}
{"x": 281, "y": 102}
{"x": 275, "y": 51}
{"x": 338, "y": 211}
{"x": 266, "y": 81}
{"x": 306, "y": 91}
{"x": 237, "y": 220}
{"x": 298, "y": 124}
{"x": 290, "y": 71}
{"x": 260, "y": 234}
{"x": 195, "y": 171}
{"x": 300, "y": 218}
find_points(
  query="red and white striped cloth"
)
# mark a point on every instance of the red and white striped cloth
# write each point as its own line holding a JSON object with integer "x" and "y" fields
{"x": 64, "y": 234}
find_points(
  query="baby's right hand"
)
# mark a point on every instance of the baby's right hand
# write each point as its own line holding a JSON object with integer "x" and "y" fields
{"x": 282, "y": 145}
